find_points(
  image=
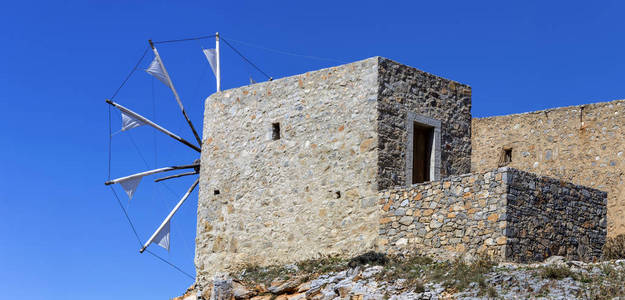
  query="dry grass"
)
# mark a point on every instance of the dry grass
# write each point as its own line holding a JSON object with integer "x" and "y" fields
{"x": 456, "y": 275}
{"x": 369, "y": 258}
{"x": 557, "y": 272}
{"x": 262, "y": 275}
{"x": 614, "y": 248}
{"x": 461, "y": 274}
{"x": 305, "y": 269}
{"x": 609, "y": 284}
{"x": 410, "y": 268}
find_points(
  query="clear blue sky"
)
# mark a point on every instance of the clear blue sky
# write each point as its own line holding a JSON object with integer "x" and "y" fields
{"x": 62, "y": 234}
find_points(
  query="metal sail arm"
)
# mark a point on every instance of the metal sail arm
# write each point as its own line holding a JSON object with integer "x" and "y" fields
{"x": 176, "y": 176}
{"x": 158, "y": 127}
{"x": 173, "y": 89}
{"x": 146, "y": 173}
{"x": 171, "y": 214}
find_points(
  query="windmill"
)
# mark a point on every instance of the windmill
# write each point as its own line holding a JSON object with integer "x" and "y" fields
{"x": 131, "y": 119}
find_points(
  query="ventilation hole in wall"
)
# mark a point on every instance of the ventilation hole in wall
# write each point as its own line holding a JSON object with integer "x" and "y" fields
{"x": 275, "y": 133}
{"x": 216, "y": 192}
{"x": 505, "y": 157}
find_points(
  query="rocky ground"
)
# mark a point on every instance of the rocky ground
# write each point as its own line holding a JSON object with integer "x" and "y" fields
{"x": 378, "y": 277}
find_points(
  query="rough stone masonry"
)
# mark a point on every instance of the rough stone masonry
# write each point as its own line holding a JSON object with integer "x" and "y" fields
{"x": 291, "y": 168}
{"x": 506, "y": 214}
{"x": 304, "y": 166}
{"x": 583, "y": 144}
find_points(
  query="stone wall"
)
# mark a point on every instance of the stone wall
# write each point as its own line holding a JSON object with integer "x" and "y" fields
{"x": 459, "y": 215}
{"x": 505, "y": 214}
{"x": 579, "y": 144}
{"x": 312, "y": 192}
{"x": 403, "y": 91}
{"x": 547, "y": 216}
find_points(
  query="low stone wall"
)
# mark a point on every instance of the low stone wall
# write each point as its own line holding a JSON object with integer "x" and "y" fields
{"x": 506, "y": 214}
{"x": 459, "y": 215}
{"x": 551, "y": 217}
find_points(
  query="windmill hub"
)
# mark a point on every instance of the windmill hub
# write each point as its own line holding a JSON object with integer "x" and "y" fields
{"x": 197, "y": 163}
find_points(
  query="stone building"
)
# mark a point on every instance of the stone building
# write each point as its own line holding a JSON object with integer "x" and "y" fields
{"x": 582, "y": 144}
{"x": 343, "y": 160}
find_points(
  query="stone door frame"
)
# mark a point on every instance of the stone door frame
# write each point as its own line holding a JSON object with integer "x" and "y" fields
{"x": 435, "y": 158}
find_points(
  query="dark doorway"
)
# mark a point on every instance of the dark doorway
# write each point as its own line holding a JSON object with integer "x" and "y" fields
{"x": 421, "y": 153}
{"x": 506, "y": 157}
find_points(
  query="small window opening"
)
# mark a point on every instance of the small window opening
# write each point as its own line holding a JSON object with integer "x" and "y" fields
{"x": 216, "y": 192}
{"x": 581, "y": 117}
{"x": 506, "y": 157}
{"x": 275, "y": 135}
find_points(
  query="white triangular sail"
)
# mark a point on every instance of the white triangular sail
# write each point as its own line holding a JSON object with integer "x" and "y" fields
{"x": 162, "y": 238}
{"x": 161, "y": 235}
{"x": 130, "y": 185}
{"x": 130, "y": 122}
{"x": 211, "y": 56}
{"x": 156, "y": 69}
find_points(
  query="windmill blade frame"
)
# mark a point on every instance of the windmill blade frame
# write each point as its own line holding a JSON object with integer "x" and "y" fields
{"x": 176, "y": 176}
{"x": 173, "y": 89}
{"x": 170, "y": 215}
{"x": 154, "y": 125}
{"x": 150, "y": 172}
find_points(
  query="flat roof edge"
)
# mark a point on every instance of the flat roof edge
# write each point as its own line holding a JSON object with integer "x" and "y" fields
{"x": 602, "y": 103}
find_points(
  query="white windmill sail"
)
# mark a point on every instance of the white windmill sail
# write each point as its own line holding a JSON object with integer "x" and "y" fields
{"x": 161, "y": 235}
{"x": 156, "y": 69}
{"x": 162, "y": 238}
{"x": 211, "y": 56}
{"x": 130, "y": 185}
{"x": 130, "y": 122}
